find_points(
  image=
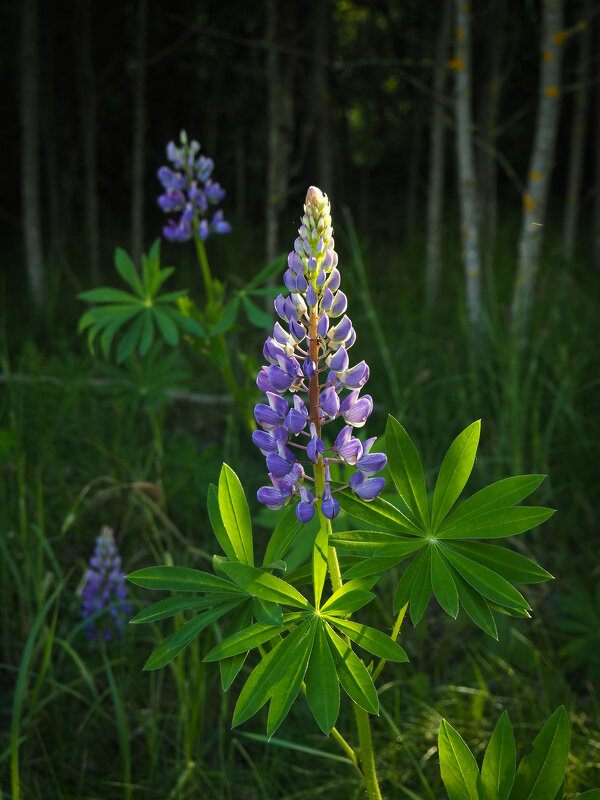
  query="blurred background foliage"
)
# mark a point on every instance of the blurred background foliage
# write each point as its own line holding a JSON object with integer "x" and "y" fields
{"x": 342, "y": 96}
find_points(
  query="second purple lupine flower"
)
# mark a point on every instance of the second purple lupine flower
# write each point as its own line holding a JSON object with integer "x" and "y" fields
{"x": 105, "y": 589}
{"x": 313, "y": 341}
{"x": 189, "y": 189}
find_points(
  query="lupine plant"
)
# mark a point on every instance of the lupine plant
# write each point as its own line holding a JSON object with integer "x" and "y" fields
{"x": 104, "y": 593}
{"x": 310, "y": 643}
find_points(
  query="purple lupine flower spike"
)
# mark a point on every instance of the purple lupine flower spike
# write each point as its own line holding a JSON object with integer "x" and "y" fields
{"x": 105, "y": 590}
{"x": 312, "y": 340}
{"x": 184, "y": 193}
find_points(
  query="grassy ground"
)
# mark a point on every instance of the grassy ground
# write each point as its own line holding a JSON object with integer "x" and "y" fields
{"x": 78, "y": 451}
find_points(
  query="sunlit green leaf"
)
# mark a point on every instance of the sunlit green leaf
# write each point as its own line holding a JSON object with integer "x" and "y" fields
{"x": 163, "y": 654}
{"x": 230, "y": 667}
{"x": 212, "y": 504}
{"x": 407, "y": 471}
{"x": 458, "y": 768}
{"x": 377, "y": 512}
{"x": 267, "y": 612}
{"x": 126, "y": 269}
{"x": 499, "y": 762}
{"x": 404, "y": 587}
{"x": 235, "y": 514}
{"x": 501, "y": 494}
{"x": 454, "y": 472}
{"x": 242, "y": 641}
{"x": 443, "y": 584}
{"x": 361, "y": 540}
{"x": 174, "y": 605}
{"x": 262, "y": 584}
{"x": 322, "y": 686}
{"x": 475, "y": 606}
{"x": 485, "y": 581}
{"x": 180, "y": 579}
{"x": 352, "y": 673}
{"x": 293, "y": 669}
{"x": 540, "y": 772}
{"x": 371, "y": 639}
{"x": 421, "y": 589}
{"x": 498, "y": 523}
{"x": 197, "y": 624}
{"x": 512, "y": 566}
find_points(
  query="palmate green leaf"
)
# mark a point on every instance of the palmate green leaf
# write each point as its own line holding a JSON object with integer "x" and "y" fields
{"x": 188, "y": 324}
{"x": 378, "y": 512}
{"x": 322, "y": 686}
{"x": 107, "y": 314}
{"x": 501, "y": 494}
{"x": 293, "y": 669}
{"x": 229, "y": 667}
{"x": 512, "y": 566}
{"x": 485, "y": 581}
{"x": 106, "y": 294}
{"x": 286, "y": 530}
{"x": 174, "y": 605}
{"x": 110, "y": 329}
{"x": 261, "y": 584}
{"x": 540, "y": 773}
{"x": 345, "y": 598}
{"x": 163, "y": 654}
{"x": 267, "y": 612}
{"x": 499, "y": 761}
{"x": 498, "y": 523}
{"x": 197, "y": 624}
{"x": 129, "y": 341}
{"x": 235, "y": 515}
{"x": 421, "y": 589}
{"x": 352, "y": 673}
{"x": 258, "y": 688}
{"x": 126, "y": 269}
{"x": 371, "y": 640}
{"x": 457, "y": 766}
{"x": 181, "y": 579}
{"x": 454, "y": 472}
{"x": 242, "y": 641}
{"x": 388, "y": 556}
{"x": 475, "y": 606}
{"x": 227, "y": 319}
{"x": 407, "y": 471}
{"x": 443, "y": 584}
{"x": 405, "y": 585}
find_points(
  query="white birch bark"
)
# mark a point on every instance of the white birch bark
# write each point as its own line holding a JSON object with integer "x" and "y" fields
{"x": 540, "y": 168}
{"x": 578, "y": 134}
{"x": 30, "y": 152}
{"x": 435, "y": 194}
{"x": 466, "y": 169}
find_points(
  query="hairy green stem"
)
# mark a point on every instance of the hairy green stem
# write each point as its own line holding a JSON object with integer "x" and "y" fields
{"x": 201, "y": 251}
{"x": 367, "y": 757}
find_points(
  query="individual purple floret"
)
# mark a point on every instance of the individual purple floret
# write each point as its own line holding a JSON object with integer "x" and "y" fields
{"x": 105, "y": 590}
{"x": 308, "y": 353}
{"x": 190, "y": 189}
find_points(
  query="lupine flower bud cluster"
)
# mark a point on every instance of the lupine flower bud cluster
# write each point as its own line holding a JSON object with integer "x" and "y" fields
{"x": 190, "y": 190}
{"x": 308, "y": 354}
{"x": 105, "y": 589}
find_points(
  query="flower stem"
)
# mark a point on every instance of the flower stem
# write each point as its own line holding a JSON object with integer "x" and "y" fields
{"x": 201, "y": 251}
{"x": 367, "y": 758}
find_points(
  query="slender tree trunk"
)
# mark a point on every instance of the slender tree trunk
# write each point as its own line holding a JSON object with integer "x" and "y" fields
{"x": 488, "y": 168}
{"x": 139, "y": 137}
{"x": 414, "y": 171}
{"x": 540, "y": 167}
{"x": 52, "y": 174}
{"x": 435, "y": 193}
{"x": 325, "y": 166}
{"x": 466, "y": 169}
{"x": 87, "y": 86}
{"x": 578, "y": 131}
{"x": 30, "y": 152}
{"x": 279, "y": 126}
{"x": 596, "y": 240}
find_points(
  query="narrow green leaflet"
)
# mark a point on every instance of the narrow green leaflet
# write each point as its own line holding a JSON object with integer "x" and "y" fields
{"x": 107, "y": 295}
{"x": 378, "y": 512}
{"x": 242, "y": 641}
{"x": 475, "y": 606}
{"x": 360, "y": 541}
{"x": 256, "y": 315}
{"x": 293, "y": 669}
{"x": 404, "y": 587}
{"x": 322, "y": 686}
{"x": 540, "y": 773}
{"x": 371, "y": 639}
{"x": 407, "y": 471}
{"x": 421, "y": 589}
{"x": 227, "y": 319}
{"x": 174, "y": 605}
{"x": 286, "y": 530}
{"x": 262, "y": 584}
{"x": 512, "y": 566}
{"x": 498, "y": 523}
{"x": 458, "y": 767}
{"x": 352, "y": 673}
{"x": 197, "y": 624}
{"x": 499, "y": 761}
{"x": 129, "y": 341}
{"x": 319, "y": 560}
{"x": 372, "y": 566}
{"x": 501, "y": 494}
{"x": 229, "y": 667}
{"x": 338, "y": 599}
{"x": 486, "y": 582}
{"x": 163, "y": 654}
{"x": 593, "y": 794}
{"x": 259, "y": 686}
{"x": 167, "y": 327}
{"x": 126, "y": 269}
{"x": 443, "y": 584}
{"x": 235, "y": 514}
{"x": 180, "y": 579}
{"x": 267, "y": 612}
{"x": 454, "y": 472}
{"x": 212, "y": 503}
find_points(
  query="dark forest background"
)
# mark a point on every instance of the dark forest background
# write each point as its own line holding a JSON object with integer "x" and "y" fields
{"x": 460, "y": 148}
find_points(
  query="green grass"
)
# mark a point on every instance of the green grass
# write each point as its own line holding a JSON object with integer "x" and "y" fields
{"x": 84, "y": 722}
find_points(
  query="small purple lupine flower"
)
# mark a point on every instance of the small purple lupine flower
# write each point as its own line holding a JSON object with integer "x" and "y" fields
{"x": 189, "y": 188}
{"x": 105, "y": 589}
{"x": 312, "y": 340}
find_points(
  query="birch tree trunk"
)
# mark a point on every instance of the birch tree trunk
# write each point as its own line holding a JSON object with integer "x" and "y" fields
{"x": 139, "y": 137}
{"x": 435, "y": 194}
{"x": 578, "y": 131}
{"x": 466, "y": 169}
{"x": 30, "y": 152}
{"x": 540, "y": 168}
{"x": 412, "y": 195}
{"x": 87, "y": 89}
